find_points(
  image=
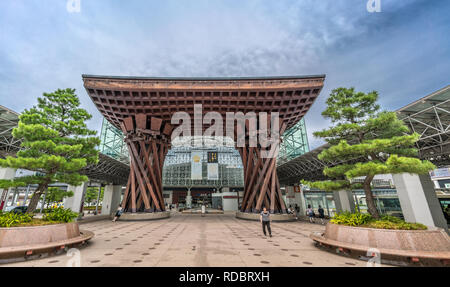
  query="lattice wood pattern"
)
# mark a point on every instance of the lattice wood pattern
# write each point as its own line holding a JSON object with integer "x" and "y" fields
{"x": 148, "y": 143}
{"x": 143, "y": 107}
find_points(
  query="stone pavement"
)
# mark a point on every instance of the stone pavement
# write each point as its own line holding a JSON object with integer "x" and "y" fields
{"x": 193, "y": 240}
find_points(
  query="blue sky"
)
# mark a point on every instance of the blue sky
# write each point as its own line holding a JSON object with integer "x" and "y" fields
{"x": 402, "y": 52}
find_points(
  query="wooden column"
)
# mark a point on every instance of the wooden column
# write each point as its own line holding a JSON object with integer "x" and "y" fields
{"x": 147, "y": 139}
{"x": 261, "y": 181}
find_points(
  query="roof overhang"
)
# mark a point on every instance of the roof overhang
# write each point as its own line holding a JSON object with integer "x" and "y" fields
{"x": 120, "y": 97}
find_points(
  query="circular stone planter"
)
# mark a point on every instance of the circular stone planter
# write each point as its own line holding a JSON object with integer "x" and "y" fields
{"x": 21, "y": 243}
{"x": 398, "y": 247}
{"x": 274, "y": 217}
{"x": 128, "y": 216}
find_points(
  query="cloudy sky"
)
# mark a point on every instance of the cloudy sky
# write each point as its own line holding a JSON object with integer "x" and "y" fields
{"x": 403, "y": 52}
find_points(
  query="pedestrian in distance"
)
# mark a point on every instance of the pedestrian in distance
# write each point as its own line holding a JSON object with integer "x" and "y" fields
{"x": 118, "y": 213}
{"x": 321, "y": 214}
{"x": 310, "y": 214}
{"x": 265, "y": 221}
{"x": 296, "y": 211}
{"x": 290, "y": 209}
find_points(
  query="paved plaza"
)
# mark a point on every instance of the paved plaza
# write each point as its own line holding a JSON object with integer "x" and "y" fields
{"x": 193, "y": 240}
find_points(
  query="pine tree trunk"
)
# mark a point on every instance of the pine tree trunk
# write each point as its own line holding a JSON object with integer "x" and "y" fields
{"x": 35, "y": 198}
{"x": 369, "y": 197}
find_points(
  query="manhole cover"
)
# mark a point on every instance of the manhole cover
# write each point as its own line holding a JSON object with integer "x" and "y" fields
{"x": 137, "y": 261}
{"x": 307, "y": 263}
{"x": 95, "y": 261}
{"x": 53, "y": 261}
{"x": 108, "y": 254}
{"x": 145, "y": 254}
{"x": 127, "y": 244}
{"x": 157, "y": 243}
{"x": 294, "y": 255}
{"x": 256, "y": 254}
{"x": 265, "y": 262}
{"x": 284, "y": 249}
{"x": 348, "y": 263}
{"x": 119, "y": 248}
{"x": 152, "y": 248}
{"x": 251, "y": 249}
{"x": 134, "y": 240}
{"x": 246, "y": 244}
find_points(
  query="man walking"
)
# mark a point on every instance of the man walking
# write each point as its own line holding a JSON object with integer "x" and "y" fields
{"x": 265, "y": 220}
{"x": 321, "y": 214}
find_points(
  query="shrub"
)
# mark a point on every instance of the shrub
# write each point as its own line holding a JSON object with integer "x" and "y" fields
{"x": 60, "y": 215}
{"x": 10, "y": 219}
{"x": 366, "y": 220}
{"x": 351, "y": 219}
{"x": 382, "y": 224}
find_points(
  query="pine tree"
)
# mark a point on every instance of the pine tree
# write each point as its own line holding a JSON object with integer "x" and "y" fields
{"x": 56, "y": 143}
{"x": 367, "y": 142}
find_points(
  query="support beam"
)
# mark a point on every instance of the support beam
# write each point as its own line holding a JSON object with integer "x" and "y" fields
{"x": 189, "y": 199}
{"x": 5, "y": 173}
{"x": 344, "y": 201}
{"x": 418, "y": 200}
{"x": 290, "y": 196}
{"x": 75, "y": 202}
{"x": 111, "y": 199}
{"x": 300, "y": 198}
{"x": 147, "y": 147}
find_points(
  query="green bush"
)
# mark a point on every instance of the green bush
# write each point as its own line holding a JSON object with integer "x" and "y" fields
{"x": 60, "y": 215}
{"x": 38, "y": 210}
{"x": 351, "y": 219}
{"x": 366, "y": 220}
{"x": 10, "y": 219}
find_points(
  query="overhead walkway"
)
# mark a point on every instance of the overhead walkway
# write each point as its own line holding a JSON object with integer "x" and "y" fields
{"x": 107, "y": 170}
{"x": 428, "y": 116}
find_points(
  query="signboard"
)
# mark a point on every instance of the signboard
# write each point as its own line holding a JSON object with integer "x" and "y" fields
{"x": 196, "y": 165}
{"x": 213, "y": 171}
{"x": 212, "y": 157}
{"x": 440, "y": 172}
{"x": 213, "y": 165}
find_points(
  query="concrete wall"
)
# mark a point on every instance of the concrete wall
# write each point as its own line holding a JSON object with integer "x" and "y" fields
{"x": 290, "y": 197}
{"x": 5, "y": 173}
{"x": 74, "y": 202}
{"x": 418, "y": 200}
{"x": 168, "y": 200}
{"x": 294, "y": 195}
{"x": 229, "y": 200}
{"x": 111, "y": 199}
{"x": 344, "y": 201}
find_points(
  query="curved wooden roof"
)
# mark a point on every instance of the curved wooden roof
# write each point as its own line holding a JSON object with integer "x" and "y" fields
{"x": 120, "y": 97}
